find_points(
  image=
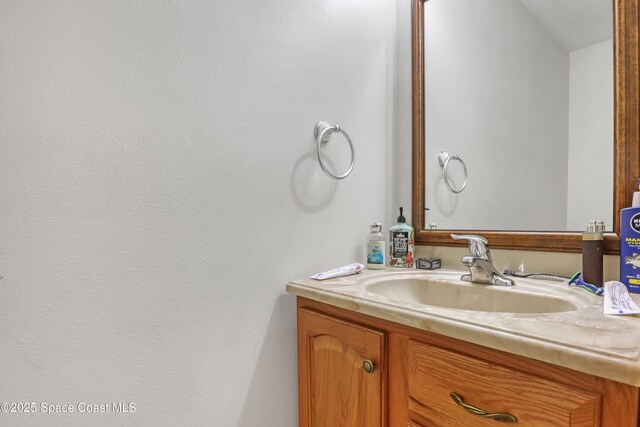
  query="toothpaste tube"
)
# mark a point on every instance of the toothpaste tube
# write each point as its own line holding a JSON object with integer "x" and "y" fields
{"x": 579, "y": 282}
{"x": 617, "y": 299}
{"x": 346, "y": 270}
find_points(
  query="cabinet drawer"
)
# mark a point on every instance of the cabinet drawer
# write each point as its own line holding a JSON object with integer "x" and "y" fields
{"x": 435, "y": 373}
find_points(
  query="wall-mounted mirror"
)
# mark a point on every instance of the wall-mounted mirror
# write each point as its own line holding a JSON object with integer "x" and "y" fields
{"x": 535, "y": 104}
{"x": 522, "y": 92}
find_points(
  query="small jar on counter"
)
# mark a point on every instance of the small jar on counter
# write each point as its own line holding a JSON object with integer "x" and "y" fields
{"x": 592, "y": 253}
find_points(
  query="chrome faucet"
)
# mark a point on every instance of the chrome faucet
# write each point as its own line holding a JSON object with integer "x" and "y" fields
{"x": 479, "y": 262}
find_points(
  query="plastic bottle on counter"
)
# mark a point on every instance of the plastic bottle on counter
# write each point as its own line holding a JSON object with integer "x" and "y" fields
{"x": 376, "y": 247}
{"x": 630, "y": 244}
{"x": 592, "y": 253}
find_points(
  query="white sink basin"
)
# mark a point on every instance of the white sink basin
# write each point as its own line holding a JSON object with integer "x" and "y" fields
{"x": 449, "y": 292}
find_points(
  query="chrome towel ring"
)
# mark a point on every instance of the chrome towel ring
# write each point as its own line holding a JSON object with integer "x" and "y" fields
{"x": 323, "y": 131}
{"x": 444, "y": 158}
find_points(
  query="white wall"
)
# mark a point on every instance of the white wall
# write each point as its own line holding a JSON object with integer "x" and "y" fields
{"x": 159, "y": 188}
{"x": 401, "y": 190}
{"x": 590, "y": 180}
{"x": 497, "y": 95}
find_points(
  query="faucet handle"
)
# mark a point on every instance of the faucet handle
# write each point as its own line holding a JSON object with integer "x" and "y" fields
{"x": 478, "y": 245}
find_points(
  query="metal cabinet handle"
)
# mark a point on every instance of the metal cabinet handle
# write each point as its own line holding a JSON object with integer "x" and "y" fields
{"x": 503, "y": 417}
{"x": 368, "y": 366}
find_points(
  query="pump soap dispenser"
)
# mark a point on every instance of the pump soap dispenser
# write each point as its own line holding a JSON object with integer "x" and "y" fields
{"x": 401, "y": 244}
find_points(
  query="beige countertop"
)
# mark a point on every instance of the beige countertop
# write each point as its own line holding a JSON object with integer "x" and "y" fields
{"x": 583, "y": 339}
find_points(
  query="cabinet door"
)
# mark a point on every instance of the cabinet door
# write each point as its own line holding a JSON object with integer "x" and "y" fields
{"x": 335, "y": 389}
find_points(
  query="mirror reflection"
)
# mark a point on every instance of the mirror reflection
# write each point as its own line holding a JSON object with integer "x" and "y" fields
{"x": 520, "y": 92}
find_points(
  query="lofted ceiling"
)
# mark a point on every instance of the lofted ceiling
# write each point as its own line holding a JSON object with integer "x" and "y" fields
{"x": 574, "y": 23}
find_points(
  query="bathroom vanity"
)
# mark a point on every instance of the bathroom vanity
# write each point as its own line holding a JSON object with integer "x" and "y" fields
{"x": 425, "y": 349}
{"x": 373, "y": 352}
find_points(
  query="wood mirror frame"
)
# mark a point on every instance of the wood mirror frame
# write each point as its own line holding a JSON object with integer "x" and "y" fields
{"x": 626, "y": 48}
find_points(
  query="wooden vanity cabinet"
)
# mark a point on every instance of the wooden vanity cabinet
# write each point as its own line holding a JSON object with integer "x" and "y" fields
{"x": 415, "y": 373}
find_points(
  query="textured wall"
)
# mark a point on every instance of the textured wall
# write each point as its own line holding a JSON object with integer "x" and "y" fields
{"x": 159, "y": 188}
{"x": 401, "y": 190}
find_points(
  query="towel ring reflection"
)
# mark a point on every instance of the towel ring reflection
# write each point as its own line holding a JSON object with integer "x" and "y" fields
{"x": 323, "y": 131}
{"x": 444, "y": 158}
